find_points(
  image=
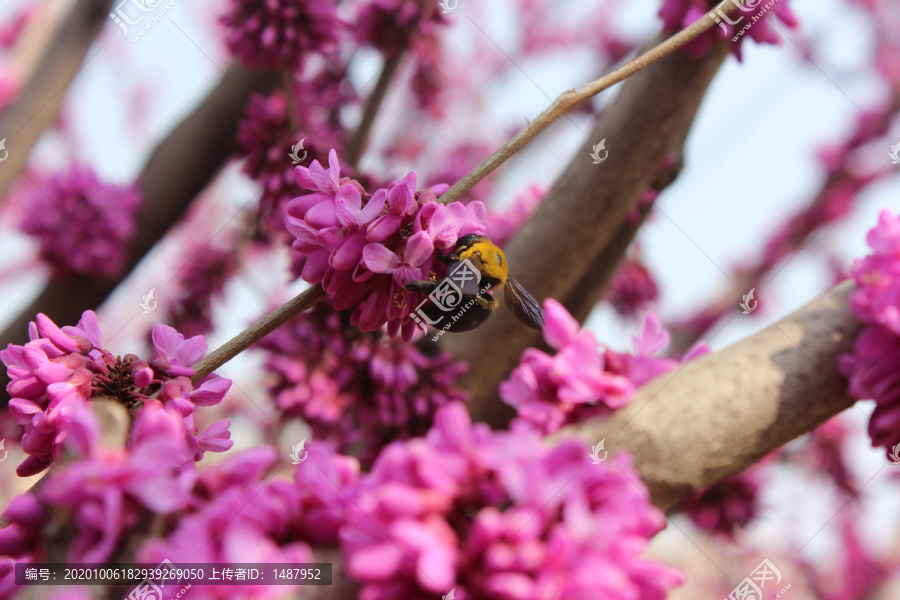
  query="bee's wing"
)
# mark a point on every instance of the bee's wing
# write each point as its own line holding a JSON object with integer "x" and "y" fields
{"x": 522, "y": 304}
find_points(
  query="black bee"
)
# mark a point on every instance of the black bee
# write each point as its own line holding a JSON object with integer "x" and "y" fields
{"x": 461, "y": 302}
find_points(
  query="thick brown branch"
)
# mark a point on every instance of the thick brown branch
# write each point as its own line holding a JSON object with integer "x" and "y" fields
{"x": 38, "y": 105}
{"x": 721, "y": 413}
{"x": 586, "y": 208}
{"x": 590, "y": 289}
{"x": 179, "y": 168}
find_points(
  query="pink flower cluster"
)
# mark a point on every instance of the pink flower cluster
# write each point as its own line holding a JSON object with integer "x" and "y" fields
{"x": 235, "y": 516}
{"x": 226, "y": 514}
{"x": 272, "y": 34}
{"x": 391, "y": 26}
{"x": 874, "y": 366}
{"x": 726, "y": 506}
{"x": 363, "y": 247}
{"x": 267, "y": 137}
{"x": 60, "y": 369}
{"x": 583, "y": 378}
{"x": 11, "y": 30}
{"x": 10, "y": 83}
{"x": 859, "y": 571}
{"x": 678, "y": 14}
{"x": 105, "y": 490}
{"x": 498, "y": 515}
{"x": 83, "y": 225}
{"x": 633, "y": 288}
{"x": 359, "y": 390}
{"x": 201, "y": 278}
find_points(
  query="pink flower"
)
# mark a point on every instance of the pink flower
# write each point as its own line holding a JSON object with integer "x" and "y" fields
{"x": 10, "y": 84}
{"x": 272, "y": 34}
{"x": 678, "y": 14}
{"x": 267, "y": 136}
{"x": 12, "y": 29}
{"x": 363, "y": 248}
{"x": 632, "y": 288}
{"x": 393, "y": 25}
{"x": 419, "y": 248}
{"x": 584, "y": 378}
{"x": 825, "y": 452}
{"x": 106, "y": 488}
{"x": 20, "y": 540}
{"x": 726, "y": 506}
{"x": 550, "y": 391}
{"x": 237, "y": 514}
{"x": 859, "y": 572}
{"x": 498, "y": 515}
{"x": 358, "y": 390}
{"x": 83, "y": 226}
{"x": 60, "y": 369}
{"x": 202, "y": 277}
{"x": 872, "y": 366}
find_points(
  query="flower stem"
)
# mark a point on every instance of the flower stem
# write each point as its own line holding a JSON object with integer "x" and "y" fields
{"x": 258, "y": 331}
{"x": 569, "y": 99}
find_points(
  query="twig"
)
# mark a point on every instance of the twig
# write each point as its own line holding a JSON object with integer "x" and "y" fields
{"x": 258, "y": 331}
{"x": 570, "y": 99}
{"x": 357, "y": 144}
{"x": 721, "y": 413}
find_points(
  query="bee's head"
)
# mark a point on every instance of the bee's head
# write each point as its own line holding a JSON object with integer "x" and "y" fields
{"x": 488, "y": 258}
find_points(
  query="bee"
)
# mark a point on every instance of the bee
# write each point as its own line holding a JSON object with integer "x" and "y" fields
{"x": 473, "y": 302}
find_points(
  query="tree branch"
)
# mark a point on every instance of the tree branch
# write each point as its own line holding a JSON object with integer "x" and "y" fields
{"x": 585, "y": 209}
{"x": 357, "y": 144}
{"x": 721, "y": 413}
{"x": 570, "y": 99}
{"x": 38, "y": 105}
{"x": 590, "y": 289}
{"x": 258, "y": 331}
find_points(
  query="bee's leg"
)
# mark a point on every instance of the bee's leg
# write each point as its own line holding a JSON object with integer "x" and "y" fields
{"x": 486, "y": 302}
{"x": 422, "y": 287}
{"x": 448, "y": 257}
